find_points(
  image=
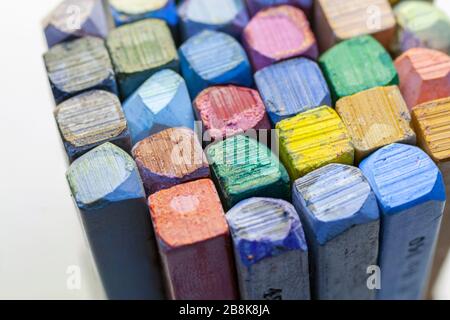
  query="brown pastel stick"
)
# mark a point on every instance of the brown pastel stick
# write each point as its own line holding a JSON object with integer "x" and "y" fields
{"x": 336, "y": 21}
{"x": 170, "y": 157}
{"x": 194, "y": 242}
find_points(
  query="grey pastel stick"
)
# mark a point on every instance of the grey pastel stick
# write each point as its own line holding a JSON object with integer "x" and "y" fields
{"x": 108, "y": 191}
{"x": 270, "y": 250}
{"x": 341, "y": 220}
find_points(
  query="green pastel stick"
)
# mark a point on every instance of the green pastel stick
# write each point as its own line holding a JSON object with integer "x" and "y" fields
{"x": 356, "y": 65}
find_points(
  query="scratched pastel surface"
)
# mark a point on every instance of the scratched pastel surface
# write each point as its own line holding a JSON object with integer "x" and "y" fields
{"x": 229, "y": 110}
{"x": 170, "y": 157}
{"x": 202, "y": 68}
{"x": 244, "y": 168}
{"x": 194, "y": 242}
{"x": 140, "y": 49}
{"x": 92, "y": 20}
{"x": 336, "y": 21}
{"x": 229, "y": 16}
{"x": 340, "y": 215}
{"x": 424, "y": 75}
{"x": 77, "y": 66}
{"x": 255, "y": 6}
{"x": 126, "y": 11}
{"x": 159, "y": 103}
{"x": 270, "y": 250}
{"x": 313, "y": 139}
{"x": 411, "y": 197}
{"x": 421, "y": 24}
{"x": 375, "y": 118}
{"x": 291, "y": 87}
{"x": 278, "y": 33}
{"x": 357, "y": 64}
{"x": 91, "y": 119}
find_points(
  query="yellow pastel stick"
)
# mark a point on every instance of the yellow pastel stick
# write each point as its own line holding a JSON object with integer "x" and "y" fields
{"x": 375, "y": 118}
{"x": 313, "y": 139}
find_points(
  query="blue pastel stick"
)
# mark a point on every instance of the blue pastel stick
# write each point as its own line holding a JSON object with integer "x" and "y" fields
{"x": 291, "y": 87}
{"x": 411, "y": 196}
{"x": 270, "y": 250}
{"x": 108, "y": 190}
{"x": 229, "y": 16}
{"x": 213, "y": 58}
{"x": 341, "y": 220}
{"x": 161, "y": 102}
{"x": 126, "y": 11}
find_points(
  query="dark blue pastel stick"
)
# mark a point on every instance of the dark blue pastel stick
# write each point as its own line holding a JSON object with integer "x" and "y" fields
{"x": 411, "y": 196}
{"x": 229, "y": 16}
{"x": 126, "y": 11}
{"x": 270, "y": 250}
{"x": 341, "y": 220}
{"x": 291, "y": 87}
{"x": 213, "y": 58}
{"x": 108, "y": 190}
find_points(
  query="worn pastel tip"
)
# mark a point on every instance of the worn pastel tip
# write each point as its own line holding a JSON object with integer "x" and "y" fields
{"x": 102, "y": 176}
{"x": 291, "y": 87}
{"x": 159, "y": 103}
{"x": 202, "y": 68}
{"x": 263, "y": 227}
{"x": 229, "y": 110}
{"x": 333, "y": 199}
{"x": 279, "y": 33}
{"x": 403, "y": 176}
{"x": 126, "y": 11}
{"x": 221, "y": 15}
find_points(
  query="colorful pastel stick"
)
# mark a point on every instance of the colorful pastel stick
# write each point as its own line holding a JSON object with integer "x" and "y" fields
{"x": 194, "y": 242}
{"x": 169, "y": 158}
{"x": 126, "y": 11}
{"x": 244, "y": 168}
{"x": 89, "y": 120}
{"x": 277, "y": 34}
{"x": 73, "y": 19}
{"x": 432, "y": 124}
{"x": 336, "y": 21}
{"x": 229, "y": 110}
{"x": 106, "y": 186}
{"x": 411, "y": 196}
{"x": 229, "y": 16}
{"x": 375, "y": 118}
{"x": 254, "y": 6}
{"x": 270, "y": 250}
{"x": 202, "y": 68}
{"x": 421, "y": 24}
{"x": 291, "y": 87}
{"x": 313, "y": 139}
{"x": 424, "y": 75}
{"x": 341, "y": 219}
{"x": 356, "y": 65}
{"x": 159, "y": 103}
{"x": 78, "y": 66}
{"x": 140, "y": 49}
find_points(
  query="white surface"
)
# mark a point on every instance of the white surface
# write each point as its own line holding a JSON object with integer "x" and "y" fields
{"x": 40, "y": 234}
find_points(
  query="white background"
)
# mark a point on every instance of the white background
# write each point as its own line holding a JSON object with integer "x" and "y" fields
{"x": 40, "y": 234}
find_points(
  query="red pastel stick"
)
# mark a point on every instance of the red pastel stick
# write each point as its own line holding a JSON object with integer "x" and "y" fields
{"x": 194, "y": 242}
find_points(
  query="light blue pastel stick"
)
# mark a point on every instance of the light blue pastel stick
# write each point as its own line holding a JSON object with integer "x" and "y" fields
{"x": 126, "y": 11}
{"x": 213, "y": 58}
{"x": 108, "y": 190}
{"x": 270, "y": 250}
{"x": 161, "y": 102}
{"x": 411, "y": 196}
{"x": 291, "y": 87}
{"x": 229, "y": 16}
{"x": 340, "y": 216}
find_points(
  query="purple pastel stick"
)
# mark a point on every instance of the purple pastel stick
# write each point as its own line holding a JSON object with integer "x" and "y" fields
{"x": 254, "y": 6}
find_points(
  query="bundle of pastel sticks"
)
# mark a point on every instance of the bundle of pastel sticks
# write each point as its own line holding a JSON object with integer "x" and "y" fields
{"x": 231, "y": 149}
